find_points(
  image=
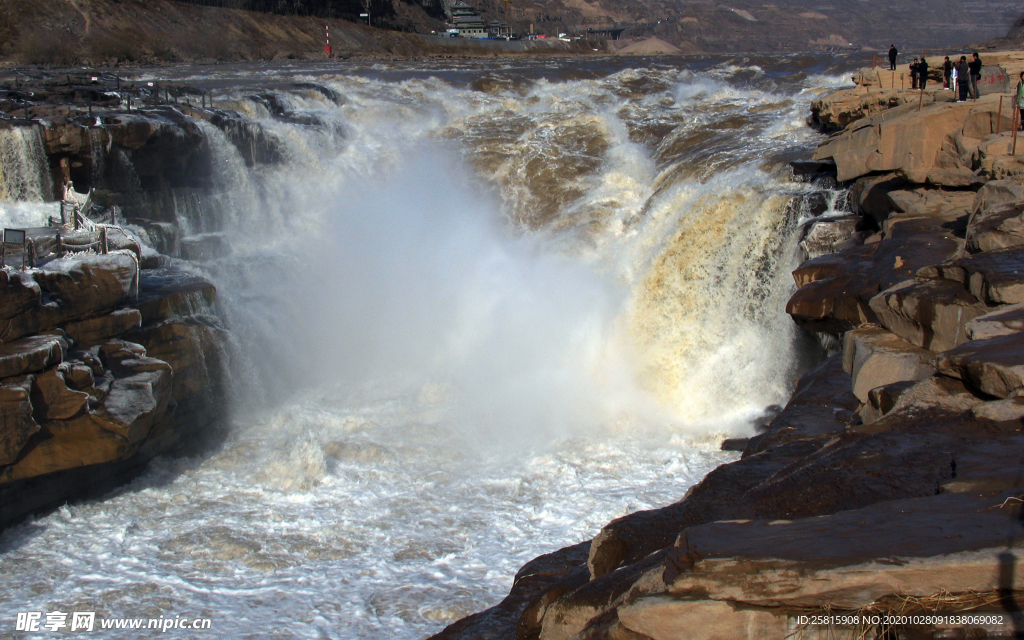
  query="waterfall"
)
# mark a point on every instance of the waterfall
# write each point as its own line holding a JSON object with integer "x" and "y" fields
{"x": 25, "y": 182}
{"x": 478, "y": 309}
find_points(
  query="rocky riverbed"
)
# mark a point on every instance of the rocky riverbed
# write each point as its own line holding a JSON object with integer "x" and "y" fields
{"x": 891, "y": 483}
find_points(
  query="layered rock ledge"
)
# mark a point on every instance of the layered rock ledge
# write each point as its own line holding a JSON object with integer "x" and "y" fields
{"x": 892, "y": 482}
{"x": 92, "y": 387}
{"x": 112, "y": 355}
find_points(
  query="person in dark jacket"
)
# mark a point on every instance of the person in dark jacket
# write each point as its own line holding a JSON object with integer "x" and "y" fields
{"x": 922, "y": 74}
{"x": 947, "y": 71}
{"x": 975, "y": 67}
{"x": 963, "y": 79}
{"x": 913, "y": 74}
{"x": 892, "y": 57}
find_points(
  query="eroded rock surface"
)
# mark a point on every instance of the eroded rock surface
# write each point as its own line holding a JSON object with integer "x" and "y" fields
{"x": 80, "y": 396}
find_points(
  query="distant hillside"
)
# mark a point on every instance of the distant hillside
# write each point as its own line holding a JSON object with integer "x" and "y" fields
{"x": 139, "y": 31}
{"x": 90, "y": 32}
{"x": 1017, "y": 29}
{"x": 746, "y": 25}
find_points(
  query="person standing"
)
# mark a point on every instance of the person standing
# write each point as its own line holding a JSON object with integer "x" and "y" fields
{"x": 963, "y": 79}
{"x": 892, "y": 57}
{"x": 922, "y": 74}
{"x": 947, "y": 72}
{"x": 913, "y": 74}
{"x": 1020, "y": 100}
{"x": 975, "y": 66}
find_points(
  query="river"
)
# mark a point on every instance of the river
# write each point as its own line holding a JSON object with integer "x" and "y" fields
{"x": 479, "y": 309}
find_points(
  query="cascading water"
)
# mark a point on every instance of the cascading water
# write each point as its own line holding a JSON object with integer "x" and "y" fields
{"x": 479, "y": 311}
{"x": 25, "y": 182}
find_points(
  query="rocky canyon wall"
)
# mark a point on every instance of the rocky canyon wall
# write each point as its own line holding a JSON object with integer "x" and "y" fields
{"x": 111, "y": 347}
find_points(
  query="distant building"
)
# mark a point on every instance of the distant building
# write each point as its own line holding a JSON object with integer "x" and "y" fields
{"x": 466, "y": 22}
{"x": 612, "y": 33}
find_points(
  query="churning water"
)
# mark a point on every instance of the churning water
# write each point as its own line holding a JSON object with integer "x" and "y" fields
{"x": 479, "y": 310}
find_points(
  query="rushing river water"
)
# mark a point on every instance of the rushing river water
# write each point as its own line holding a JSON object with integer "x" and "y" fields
{"x": 480, "y": 309}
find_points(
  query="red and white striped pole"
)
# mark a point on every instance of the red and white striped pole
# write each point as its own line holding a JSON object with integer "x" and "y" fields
{"x": 327, "y": 32}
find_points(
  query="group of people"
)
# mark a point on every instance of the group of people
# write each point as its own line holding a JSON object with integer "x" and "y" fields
{"x": 961, "y": 77}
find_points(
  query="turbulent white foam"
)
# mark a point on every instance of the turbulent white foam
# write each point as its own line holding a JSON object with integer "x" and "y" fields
{"x": 334, "y": 521}
{"x": 27, "y": 214}
{"x": 471, "y": 327}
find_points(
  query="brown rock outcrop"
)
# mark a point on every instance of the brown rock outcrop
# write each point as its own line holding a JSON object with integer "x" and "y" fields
{"x": 936, "y": 142}
{"x": 89, "y": 332}
{"x": 52, "y": 400}
{"x": 29, "y": 355}
{"x": 846, "y": 106}
{"x": 106, "y": 404}
{"x": 993, "y": 366}
{"x": 743, "y": 577}
{"x": 875, "y": 357}
{"x": 933, "y": 314}
{"x": 1003, "y": 321}
{"x": 835, "y": 290}
{"x": 74, "y": 433}
{"x": 907, "y": 454}
{"x": 77, "y": 287}
{"x": 16, "y": 423}
{"x": 194, "y": 348}
{"x": 994, "y": 277}
{"x": 996, "y": 222}
{"x": 171, "y": 293}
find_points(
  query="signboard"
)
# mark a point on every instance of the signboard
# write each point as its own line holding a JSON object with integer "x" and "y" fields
{"x": 994, "y": 79}
{"x": 14, "y": 236}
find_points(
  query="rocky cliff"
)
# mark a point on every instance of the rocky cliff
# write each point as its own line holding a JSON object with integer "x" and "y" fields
{"x": 891, "y": 484}
{"x": 111, "y": 350}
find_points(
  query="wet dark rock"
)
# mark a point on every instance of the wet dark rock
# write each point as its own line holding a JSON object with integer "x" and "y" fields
{"x": 999, "y": 322}
{"x": 86, "y": 333}
{"x": 835, "y": 290}
{"x": 821, "y": 407}
{"x": 17, "y": 425}
{"x": 812, "y": 170}
{"x": 168, "y": 293}
{"x": 52, "y": 400}
{"x": 993, "y": 366}
{"x": 994, "y": 277}
{"x": 824, "y": 235}
{"x": 869, "y": 195}
{"x": 735, "y": 444}
{"x": 932, "y": 314}
{"x": 537, "y": 585}
{"x": 205, "y": 247}
{"x": 29, "y": 355}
